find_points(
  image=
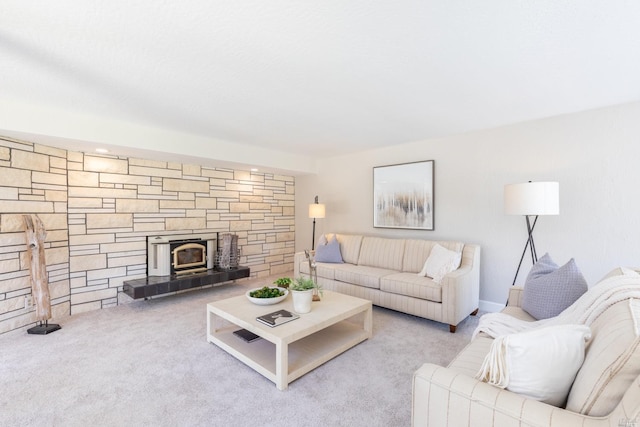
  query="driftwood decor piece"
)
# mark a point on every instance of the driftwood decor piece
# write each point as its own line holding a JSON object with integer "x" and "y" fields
{"x": 36, "y": 235}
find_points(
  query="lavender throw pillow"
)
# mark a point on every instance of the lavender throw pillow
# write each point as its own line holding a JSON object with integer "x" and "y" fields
{"x": 550, "y": 289}
{"x": 329, "y": 252}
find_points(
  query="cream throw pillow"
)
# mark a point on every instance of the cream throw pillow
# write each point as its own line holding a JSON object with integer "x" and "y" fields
{"x": 540, "y": 363}
{"x": 440, "y": 262}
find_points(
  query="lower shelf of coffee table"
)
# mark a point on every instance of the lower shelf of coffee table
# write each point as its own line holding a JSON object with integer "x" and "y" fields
{"x": 304, "y": 355}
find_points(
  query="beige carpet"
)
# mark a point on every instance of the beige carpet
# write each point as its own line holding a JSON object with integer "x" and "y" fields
{"x": 148, "y": 363}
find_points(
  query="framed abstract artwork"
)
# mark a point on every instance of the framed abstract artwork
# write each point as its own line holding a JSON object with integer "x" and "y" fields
{"x": 403, "y": 196}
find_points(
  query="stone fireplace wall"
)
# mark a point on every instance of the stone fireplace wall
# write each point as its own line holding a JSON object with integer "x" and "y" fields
{"x": 98, "y": 211}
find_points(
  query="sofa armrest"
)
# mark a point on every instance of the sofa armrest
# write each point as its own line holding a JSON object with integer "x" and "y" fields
{"x": 444, "y": 397}
{"x": 461, "y": 288}
{"x": 515, "y": 296}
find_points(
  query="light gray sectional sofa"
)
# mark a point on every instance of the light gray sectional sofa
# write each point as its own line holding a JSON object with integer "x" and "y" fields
{"x": 385, "y": 271}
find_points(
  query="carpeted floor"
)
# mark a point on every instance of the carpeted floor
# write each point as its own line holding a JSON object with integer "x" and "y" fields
{"x": 148, "y": 363}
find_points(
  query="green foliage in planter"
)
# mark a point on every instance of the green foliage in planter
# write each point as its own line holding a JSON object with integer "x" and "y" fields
{"x": 305, "y": 284}
{"x": 283, "y": 282}
{"x": 302, "y": 284}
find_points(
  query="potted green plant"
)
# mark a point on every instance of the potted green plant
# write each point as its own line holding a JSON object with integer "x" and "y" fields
{"x": 302, "y": 294}
{"x": 282, "y": 282}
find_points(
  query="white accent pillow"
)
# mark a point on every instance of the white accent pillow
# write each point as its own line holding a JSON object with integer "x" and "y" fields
{"x": 540, "y": 363}
{"x": 440, "y": 262}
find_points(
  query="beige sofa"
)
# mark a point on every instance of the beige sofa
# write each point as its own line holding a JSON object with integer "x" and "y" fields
{"x": 606, "y": 391}
{"x": 384, "y": 271}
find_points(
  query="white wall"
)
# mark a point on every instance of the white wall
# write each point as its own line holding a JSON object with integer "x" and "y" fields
{"x": 595, "y": 155}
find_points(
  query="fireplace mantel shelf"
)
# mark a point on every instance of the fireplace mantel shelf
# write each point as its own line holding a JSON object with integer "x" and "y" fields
{"x": 157, "y": 285}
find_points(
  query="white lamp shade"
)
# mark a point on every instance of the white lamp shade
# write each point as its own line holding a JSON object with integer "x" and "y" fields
{"x": 316, "y": 210}
{"x": 532, "y": 198}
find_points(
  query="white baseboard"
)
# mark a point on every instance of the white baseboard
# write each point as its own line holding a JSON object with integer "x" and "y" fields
{"x": 490, "y": 306}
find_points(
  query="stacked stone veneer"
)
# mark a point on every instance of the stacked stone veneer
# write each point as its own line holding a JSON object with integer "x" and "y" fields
{"x": 98, "y": 211}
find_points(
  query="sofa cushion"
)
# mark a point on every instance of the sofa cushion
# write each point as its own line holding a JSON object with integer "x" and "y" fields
{"x": 540, "y": 363}
{"x": 360, "y": 275}
{"x": 349, "y": 247}
{"x": 382, "y": 253}
{"x": 612, "y": 362}
{"x": 441, "y": 261}
{"x": 326, "y": 271}
{"x": 417, "y": 251}
{"x": 550, "y": 289}
{"x": 329, "y": 252}
{"x": 412, "y": 285}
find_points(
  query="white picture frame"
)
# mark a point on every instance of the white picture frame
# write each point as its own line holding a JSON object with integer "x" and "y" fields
{"x": 403, "y": 196}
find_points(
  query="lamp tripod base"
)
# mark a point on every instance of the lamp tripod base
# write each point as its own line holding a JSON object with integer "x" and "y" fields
{"x": 44, "y": 328}
{"x": 530, "y": 245}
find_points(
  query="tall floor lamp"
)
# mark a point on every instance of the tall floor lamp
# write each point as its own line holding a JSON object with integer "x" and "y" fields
{"x": 316, "y": 210}
{"x": 531, "y": 199}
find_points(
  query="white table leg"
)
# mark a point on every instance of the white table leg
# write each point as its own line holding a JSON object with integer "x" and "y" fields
{"x": 368, "y": 322}
{"x": 214, "y": 322}
{"x": 209, "y": 322}
{"x": 282, "y": 365}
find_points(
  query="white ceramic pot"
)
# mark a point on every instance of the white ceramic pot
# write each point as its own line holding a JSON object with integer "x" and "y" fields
{"x": 302, "y": 301}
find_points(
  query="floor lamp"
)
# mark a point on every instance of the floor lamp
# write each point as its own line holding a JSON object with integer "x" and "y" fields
{"x": 316, "y": 210}
{"x": 531, "y": 199}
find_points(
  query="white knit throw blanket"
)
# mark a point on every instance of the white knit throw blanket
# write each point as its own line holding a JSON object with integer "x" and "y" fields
{"x": 582, "y": 312}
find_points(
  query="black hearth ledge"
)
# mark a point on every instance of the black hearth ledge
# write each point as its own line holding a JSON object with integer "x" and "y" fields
{"x": 157, "y": 285}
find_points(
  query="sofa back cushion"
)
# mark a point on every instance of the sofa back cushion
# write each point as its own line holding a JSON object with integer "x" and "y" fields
{"x": 417, "y": 251}
{"x": 612, "y": 361}
{"x": 382, "y": 253}
{"x": 349, "y": 247}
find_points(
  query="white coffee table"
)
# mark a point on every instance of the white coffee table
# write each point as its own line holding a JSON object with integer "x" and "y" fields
{"x": 288, "y": 351}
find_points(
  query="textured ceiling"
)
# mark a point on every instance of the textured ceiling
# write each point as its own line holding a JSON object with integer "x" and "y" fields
{"x": 300, "y": 79}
